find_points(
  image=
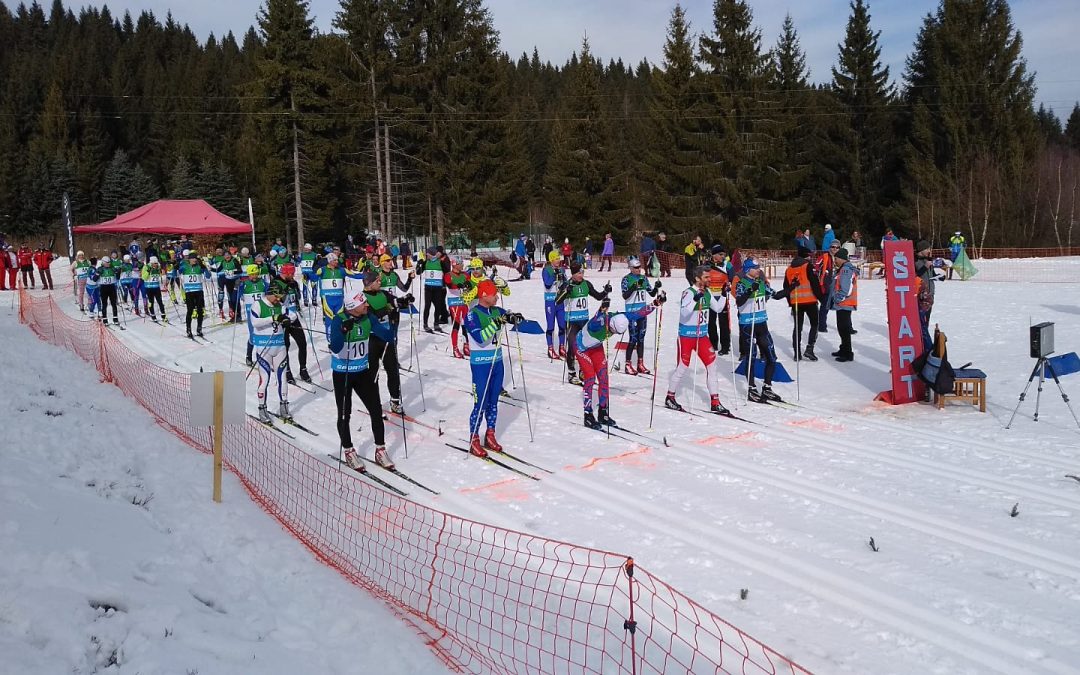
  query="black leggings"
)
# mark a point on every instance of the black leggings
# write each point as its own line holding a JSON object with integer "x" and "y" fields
{"x": 386, "y": 354}
{"x": 365, "y": 386}
{"x": 572, "y": 329}
{"x": 720, "y": 330}
{"x": 435, "y": 296}
{"x": 195, "y": 304}
{"x": 809, "y": 311}
{"x": 153, "y": 294}
{"x": 108, "y": 294}
{"x": 294, "y": 332}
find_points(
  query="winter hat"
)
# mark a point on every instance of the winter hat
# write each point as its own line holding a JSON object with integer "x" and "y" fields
{"x": 104, "y": 259}
{"x": 485, "y": 288}
{"x": 828, "y": 226}
{"x": 288, "y": 269}
{"x": 749, "y": 264}
{"x": 354, "y": 301}
{"x": 127, "y": 258}
{"x": 803, "y": 252}
{"x": 307, "y": 247}
{"x": 842, "y": 254}
{"x": 154, "y": 260}
{"x": 385, "y": 259}
{"x": 633, "y": 261}
{"x": 717, "y": 249}
{"x": 619, "y": 323}
{"x": 331, "y": 257}
{"x": 370, "y": 277}
{"x": 431, "y": 250}
{"x": 554, "y": 256}
{"x": 575, "y": 267}
{"x": 922, "y": 245}
{"x": 252, "y": 270}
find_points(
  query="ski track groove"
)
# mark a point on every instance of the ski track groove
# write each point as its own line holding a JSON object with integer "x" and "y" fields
{"x": 860, "y": 597}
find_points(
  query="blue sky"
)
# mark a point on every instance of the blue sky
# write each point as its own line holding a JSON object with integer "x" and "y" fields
{"x": 635, "y": 29}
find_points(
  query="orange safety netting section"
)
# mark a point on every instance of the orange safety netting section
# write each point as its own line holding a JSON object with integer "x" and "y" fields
{"x": 486, "y": 599}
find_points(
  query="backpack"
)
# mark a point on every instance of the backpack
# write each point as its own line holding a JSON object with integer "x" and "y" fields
{"x": 935, "y": 371}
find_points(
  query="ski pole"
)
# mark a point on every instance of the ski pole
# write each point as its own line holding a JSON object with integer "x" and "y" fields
{"x": 420, "y": 378}
{"x": 656, "y": 365}
{"x": 697, "y": 348}
{"x": 506, "y": 339}
{"x": 753, "y": 343}
{"x": 528, "y": 412}
{"x": 262, "y": 351}
{"x": 731, "y": 352}
{"x": 798, "y": 353}
{"x": 607, "y": 317}
{"x": 477, "y": 395}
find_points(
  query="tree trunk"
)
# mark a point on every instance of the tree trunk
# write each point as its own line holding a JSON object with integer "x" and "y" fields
{"x": 430, "y": 226}
{"x": 379, "y": 176}
{"x": 387, "y": 233}
{"x": 440, "y": 222}
{"x": 296, "y": 179}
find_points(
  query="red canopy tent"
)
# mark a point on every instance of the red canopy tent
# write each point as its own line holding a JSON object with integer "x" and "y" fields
{"x": 170, "y": 216}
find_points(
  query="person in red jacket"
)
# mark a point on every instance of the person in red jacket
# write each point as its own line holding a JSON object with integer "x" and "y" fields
{"x": 3, "y": 268}
{"x": 44, "y": 259}
{"x": 11, "y": 266}
{"x": 567, "y": 253}
{"x": 26, "y": 265}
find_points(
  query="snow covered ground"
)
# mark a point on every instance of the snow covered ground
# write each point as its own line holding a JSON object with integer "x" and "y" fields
{"x": 784, "y": 508}
{"x": 113, "y": 558}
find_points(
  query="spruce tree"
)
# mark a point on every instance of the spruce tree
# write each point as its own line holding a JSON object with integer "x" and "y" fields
{"x": 862, "y": 87}
{"x": 182, "y": 180}
{"x": 1072, "y": 128}
{"x": 1048, "y": 126}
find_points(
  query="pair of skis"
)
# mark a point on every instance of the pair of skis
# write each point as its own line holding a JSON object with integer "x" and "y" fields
{"x": 491, "y": 460}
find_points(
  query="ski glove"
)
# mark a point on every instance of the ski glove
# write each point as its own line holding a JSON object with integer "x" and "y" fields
{"x": 607, "y": 288}
{"x": 661, "y": 298}
{"x": 605, "y": 304}
{"x": 513, "y": 318}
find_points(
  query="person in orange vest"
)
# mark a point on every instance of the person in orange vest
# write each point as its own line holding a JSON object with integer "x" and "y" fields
{"x": 845, "y": 300}
{"x": 805, "y": 295}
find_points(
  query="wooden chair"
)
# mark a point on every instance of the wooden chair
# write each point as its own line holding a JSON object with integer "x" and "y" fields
{"x": 969, "y": 385}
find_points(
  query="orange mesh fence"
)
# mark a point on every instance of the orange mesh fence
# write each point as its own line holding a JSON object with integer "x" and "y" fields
{"x": 486, "y": 599}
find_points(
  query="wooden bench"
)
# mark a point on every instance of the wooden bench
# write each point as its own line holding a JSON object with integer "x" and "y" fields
{"x": 969, "y": 387}
{"x": 969, "y": 384}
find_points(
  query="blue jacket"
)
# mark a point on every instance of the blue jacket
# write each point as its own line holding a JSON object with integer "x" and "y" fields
{"x": 827, "y": 239}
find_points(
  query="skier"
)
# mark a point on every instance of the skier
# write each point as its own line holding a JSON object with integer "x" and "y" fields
{"x": 80, "y": 271}
{"x": 383, "y": 310}
{"x": 331, "y": 289}
{"x": 577, "y": 293}
{"x": 635, "y": 286}
{"x": 127, "y": 281}
{"x": 152, "y": 276}
{"x": 107, "y": 288}
{"x": 292, "y": 326}
{"x": 592, "y": 357}
{"x": 310, "y": 284}
{"x": 265, "y": 319}
{"x": 231, "y": 272}
{"x": 694, "y": 337}
{"x": 192, "y": 274}
{"x": 751, "y": 294}
{"x": 434, "y": 288}
{"x": 251, "y": 291}
{"x": 457, "y": 282}
{"x": 554, "y": 278}
{"x": 93, "y": 294}
{"x": 845, "y": 299}
{"x": 483, "y": 324}
{"x": 279, "y": 259}
{"x": 719, "y": 284}
{"x": 350, "y": 330}
{"x": 801, "y": 282}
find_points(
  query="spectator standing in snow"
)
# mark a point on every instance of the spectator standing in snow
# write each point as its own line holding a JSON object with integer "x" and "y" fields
{"x": 663, "y": 249}
{"x": 827, "y": 238}
{"x": 608, "y": 252}
{"x": 924, "y": 271}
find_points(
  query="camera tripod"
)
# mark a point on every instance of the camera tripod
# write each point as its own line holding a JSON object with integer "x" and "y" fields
{"x": 1041, "y": 367}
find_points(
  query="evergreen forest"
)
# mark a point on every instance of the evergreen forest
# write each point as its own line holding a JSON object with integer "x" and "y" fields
{"x": 409, "y": 118}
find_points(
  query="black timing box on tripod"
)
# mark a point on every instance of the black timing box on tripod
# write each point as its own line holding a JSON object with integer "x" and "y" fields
{"x": 1042, "y": 340}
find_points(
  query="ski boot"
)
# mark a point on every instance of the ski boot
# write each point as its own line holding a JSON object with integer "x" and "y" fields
{"x": 284, "y": 412}
{"x": 382, "y": 458}
{"x": 768, "y": 394}
{"x": 467, "y": 351}
{"x": 427, "y": 329}
{"x": 490, "y": 443}
{"x": 198, "y": 332}
{"x": 604, "y": 418}
{"x": 717, "y": 408}
{"x": 249, "y": 363}
{"x": 562, "y": 351}
{"x": 289, "y": 377}
{"x": 752, "y": 394}
{"x": 629, "y": 369}
{"x": 475, "y": 448}
{"x": 574, "y": 379}
{"x": 264, "y": 416}
{"x": 304, "y": 375}
{"x": 438, "y": 328}
{"x": 809, "y": 354}
{"x": 82, "y": 309}
{"x": 137, "y": 312}
{"x": 190, "y": 336}
{"x": 116, "y": 322}
{"x": 671, "y": 404}
{"x": 395, "y": 406}
{"x": 591, "y": 421}
{"x": 552, "y": 354}
{"x": 221, "y": 314}
{"x": 641, "y": 369}
{"x": 457, "y": 353}
{"x": 353, "y": 461}
{"x": 164, "y": 318}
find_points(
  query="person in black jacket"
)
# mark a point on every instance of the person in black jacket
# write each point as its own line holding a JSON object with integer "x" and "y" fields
{"x": 694, "y": 256}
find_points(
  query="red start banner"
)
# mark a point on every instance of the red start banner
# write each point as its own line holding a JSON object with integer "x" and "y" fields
{"x": 905, "y": 333}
